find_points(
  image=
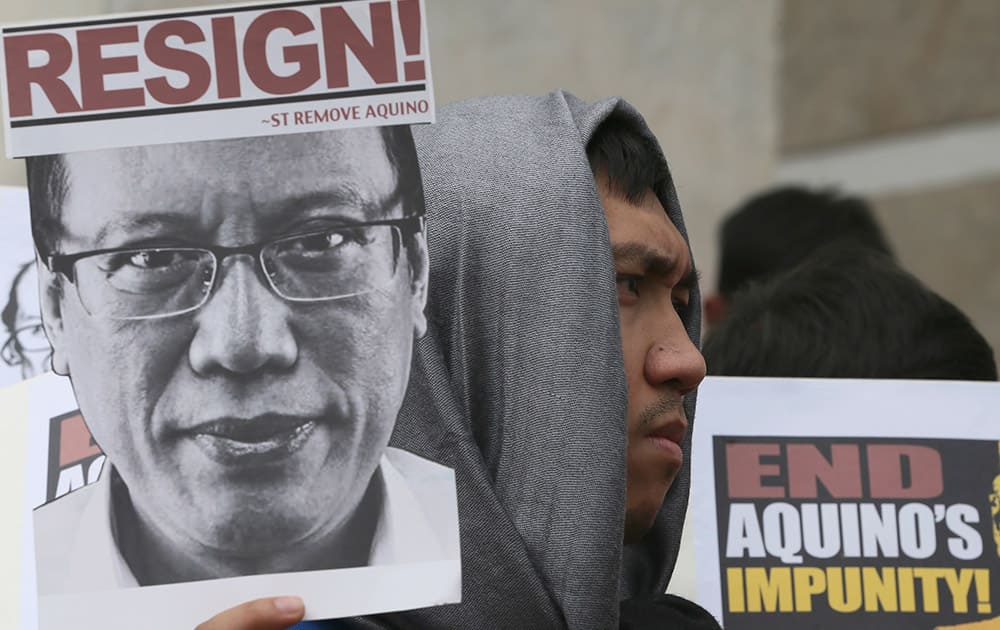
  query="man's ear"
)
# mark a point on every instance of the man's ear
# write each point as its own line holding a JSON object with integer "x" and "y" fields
{"x": 419, "y": 273}
{"x": 50, "y": 292}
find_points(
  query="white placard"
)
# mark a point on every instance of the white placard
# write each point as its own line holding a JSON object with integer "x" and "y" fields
{"x": 847, "y": 503}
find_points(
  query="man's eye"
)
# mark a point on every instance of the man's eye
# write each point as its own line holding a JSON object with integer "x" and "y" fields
{"x": 329, "y": 241}
{"x": 319, "y": 243}
{"x": 628, "y": 285}
{"x": 145, "y": 259}
{"x": 153, "y": 259}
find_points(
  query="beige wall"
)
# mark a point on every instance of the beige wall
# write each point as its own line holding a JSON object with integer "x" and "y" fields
{"x": 858, "y": 69}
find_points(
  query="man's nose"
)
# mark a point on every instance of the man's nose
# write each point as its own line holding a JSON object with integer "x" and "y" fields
{"x": 244, "y": 327}
{"x": 672, "y": 359}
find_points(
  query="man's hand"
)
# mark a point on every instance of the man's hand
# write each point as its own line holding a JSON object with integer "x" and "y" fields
{"x": 269, "y": 613}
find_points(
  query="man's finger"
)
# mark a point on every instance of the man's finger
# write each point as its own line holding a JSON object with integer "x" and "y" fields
{"x": 269, "y": 613}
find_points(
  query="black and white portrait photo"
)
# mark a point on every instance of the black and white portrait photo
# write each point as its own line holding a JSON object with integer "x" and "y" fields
{"x": 24, "y": 349}
{"x": 237, "y": 320}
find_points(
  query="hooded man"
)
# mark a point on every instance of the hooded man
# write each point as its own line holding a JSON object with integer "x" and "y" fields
{"x": 558, "y": 370}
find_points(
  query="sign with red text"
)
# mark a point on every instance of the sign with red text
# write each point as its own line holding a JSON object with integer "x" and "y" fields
{"x": 206, "y": 74}
{"x": 869, "y": 503}
{"x": 75, "y": 459}
{"x": 276, "y": 136}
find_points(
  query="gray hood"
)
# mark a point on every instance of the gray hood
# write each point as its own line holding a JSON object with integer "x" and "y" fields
{"x": 519, "y": 382}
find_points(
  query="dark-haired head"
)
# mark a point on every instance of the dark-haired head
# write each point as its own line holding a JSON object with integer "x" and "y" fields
{"x": 847, "y": 312}
{"x": 629, "y": 161}
{"x": 778, "y": 229}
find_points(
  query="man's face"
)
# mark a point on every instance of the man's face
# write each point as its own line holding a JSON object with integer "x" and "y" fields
{"x": 252, "y": 423}
{"x": 29, "y": 349}
{"x": 654, "y": 276}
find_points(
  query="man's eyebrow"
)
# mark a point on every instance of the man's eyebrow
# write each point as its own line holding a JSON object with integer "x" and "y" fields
{"x": 344, "y": 197}
{"x": 336, "y": 198}
{"x": 127, "y": 224}
{"x": 650, "y": 260}
{"x": 654, "y": 262}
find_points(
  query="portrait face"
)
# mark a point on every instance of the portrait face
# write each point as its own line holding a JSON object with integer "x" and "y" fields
{"x": 654, "y": 277}
{"x": 26, "y": 345}
{"x": 244, "y": 410}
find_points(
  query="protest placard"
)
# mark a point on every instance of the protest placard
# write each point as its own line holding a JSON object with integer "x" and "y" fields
{"x": 253, "y": 70}
{"x": 825, "y": 503}
{"x": 228, "y": 213}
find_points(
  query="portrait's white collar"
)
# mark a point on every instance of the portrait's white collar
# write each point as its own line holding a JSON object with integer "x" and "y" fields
{"x": 402, "y": 535}
{"x": 95, "y": 558}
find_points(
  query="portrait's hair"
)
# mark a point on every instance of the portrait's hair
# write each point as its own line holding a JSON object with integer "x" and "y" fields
{"x": 631, "y": 161}
{"x": 778, "y": 229}
{"x": 402, "y": 154}
{"x": 9, "y": 317}
{"x": 847, "y": 312}
{"x": 48, "y": 185}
